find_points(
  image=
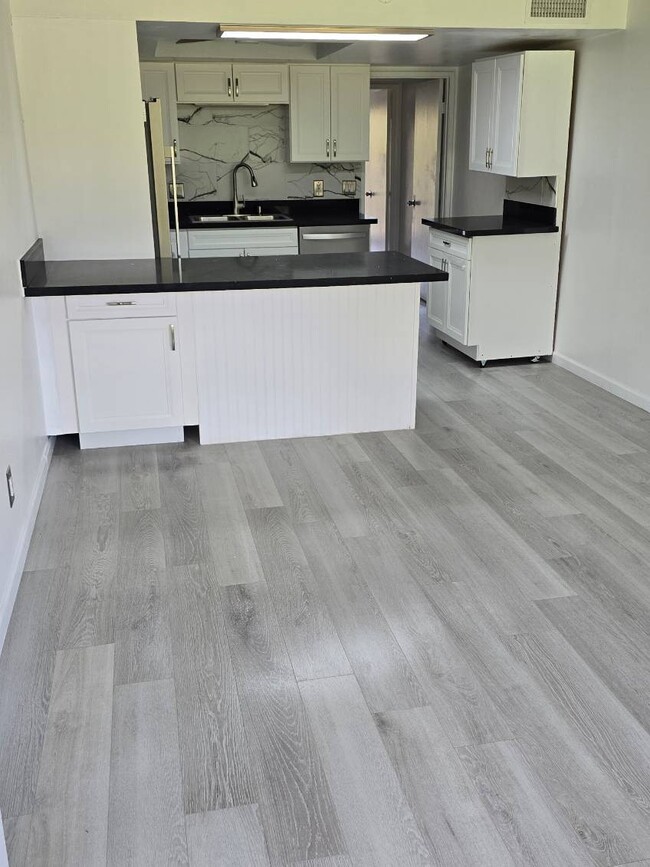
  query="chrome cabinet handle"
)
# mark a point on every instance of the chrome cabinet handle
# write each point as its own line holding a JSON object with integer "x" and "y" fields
{"x": 120, "y": 303}
{"x": 447, "y": 243}
{"x": 172, "y": 337}
{"x": 486, "y": 157}
{"x": 334, "y": 147}
{"x": 327, "y": 147}
{"x": 236, "y": 88}
{"x": 490, "y": 152}
{"x": 229, "y": 86}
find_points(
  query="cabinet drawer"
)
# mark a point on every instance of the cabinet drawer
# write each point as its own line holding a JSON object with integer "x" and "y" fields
{"x": 121, "y": 306}
{"x": 213, "y": 239}
{"x": 452, "y": 245}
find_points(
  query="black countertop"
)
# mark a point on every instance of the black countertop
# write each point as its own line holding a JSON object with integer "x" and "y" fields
{"x": 517, "y": 218}
{"x": 105, "y": 276}
{"x": 299, "y": 212}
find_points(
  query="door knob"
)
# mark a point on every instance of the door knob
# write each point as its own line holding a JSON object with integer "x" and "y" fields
{"x": 413, "y": 202}
{"x": 370, "y": 194}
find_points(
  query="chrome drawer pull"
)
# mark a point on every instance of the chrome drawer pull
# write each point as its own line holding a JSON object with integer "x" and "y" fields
{"x": 172, "y": 337}
{"x": 120, "y": 303}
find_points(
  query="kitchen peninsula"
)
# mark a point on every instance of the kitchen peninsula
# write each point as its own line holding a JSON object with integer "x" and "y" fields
{"x": 248, "y": 348}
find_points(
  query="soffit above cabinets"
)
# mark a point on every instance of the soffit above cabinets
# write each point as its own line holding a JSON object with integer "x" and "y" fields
{"x": 446, "y": 47}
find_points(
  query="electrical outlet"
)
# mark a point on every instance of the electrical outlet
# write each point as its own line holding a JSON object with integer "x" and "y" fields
{"x": 10, "y": 487}
{"x": 180, "y": 191}
{"x": 318, "y": 189}
{"x": 350, "y": 188}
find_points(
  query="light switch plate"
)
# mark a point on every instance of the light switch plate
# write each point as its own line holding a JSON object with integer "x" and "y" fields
{"x": 349, "y": 188}
{"x": 318, "y": 188}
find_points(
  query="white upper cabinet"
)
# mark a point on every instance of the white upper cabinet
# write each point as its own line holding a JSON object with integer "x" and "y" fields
{"x": 329, "y": 113}
{"x": 520, "y": 115}
{"x": 158, "y": 82}
{"x": 227, "y": 83}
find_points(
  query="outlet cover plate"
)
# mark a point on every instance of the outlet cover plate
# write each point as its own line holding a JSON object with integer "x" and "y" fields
{"x": 180, "y": 190}
{"x": 318, "y": 188}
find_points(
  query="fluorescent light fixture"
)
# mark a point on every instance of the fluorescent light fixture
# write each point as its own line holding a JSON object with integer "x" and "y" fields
{"x": 320, "y": 34}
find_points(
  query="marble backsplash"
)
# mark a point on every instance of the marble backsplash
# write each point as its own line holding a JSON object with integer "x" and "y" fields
{"x": 213, "y": 139}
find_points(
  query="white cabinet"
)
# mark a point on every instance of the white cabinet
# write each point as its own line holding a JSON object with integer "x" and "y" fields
{"x": 520, "y": 113}
{"x": 499, "y": 301}
{"x": 127, "y": 373}
{"x": 206, "y": 243}
{"x": 158, "y": 82}
{"x": 448, "y": 302}
{"x": 329, "y": 113}
{"x": 227, "y": 83}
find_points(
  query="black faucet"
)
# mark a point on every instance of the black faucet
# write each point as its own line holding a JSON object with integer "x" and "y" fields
{"x": 241, "y": 165}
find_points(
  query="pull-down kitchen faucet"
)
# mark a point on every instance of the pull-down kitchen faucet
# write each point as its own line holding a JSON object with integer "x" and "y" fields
{"x": 236, "y": 204}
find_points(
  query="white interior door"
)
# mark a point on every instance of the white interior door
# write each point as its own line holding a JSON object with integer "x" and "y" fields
{"x": 127, "y": 373}
{"x": 376, "y": 174}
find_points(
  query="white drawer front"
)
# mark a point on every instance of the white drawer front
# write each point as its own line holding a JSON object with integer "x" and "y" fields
{"x": 121, "y": 306}
{"x": 214, "y": 239}
{"x": 453, "y": 245}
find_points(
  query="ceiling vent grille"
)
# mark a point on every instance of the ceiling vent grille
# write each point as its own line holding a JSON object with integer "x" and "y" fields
{"x": 558, "y": 9}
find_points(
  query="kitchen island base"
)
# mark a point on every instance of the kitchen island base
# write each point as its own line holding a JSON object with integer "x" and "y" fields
{"x": 311, "y": 361}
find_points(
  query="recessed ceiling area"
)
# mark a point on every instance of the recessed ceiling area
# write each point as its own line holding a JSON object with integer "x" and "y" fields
{"x": 445, "y": 47}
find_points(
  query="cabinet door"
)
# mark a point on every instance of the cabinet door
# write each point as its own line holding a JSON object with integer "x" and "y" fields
{"x": 350, "y": 124}
{"x": 204, "y": 83}
{"x": 309, "y": 111}
{"x": 261, "y": 83}
{"x": 458, "y": 309}
{"x": 158, "y": 82}
{"x": 127, "y": 374}
{"x": 481, "y": 114}
{"x": 438, "y": 300}
{"x": 507, "y": 110}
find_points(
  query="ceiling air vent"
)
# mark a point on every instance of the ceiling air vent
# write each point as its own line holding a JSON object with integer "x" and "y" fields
{"x": 558, "y": 9}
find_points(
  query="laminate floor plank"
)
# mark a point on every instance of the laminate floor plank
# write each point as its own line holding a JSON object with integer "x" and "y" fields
{"x": 464, "y": 708}
{"x": 184, "y": 524}
{"x": 296, "y": 805}
{"x": 615, "y": 649}
{"x": 55, "y": 530}
{"x": 455, "y": 823}
{"x": 233, "y": 837}
{"x": 26, "y": 672}
{"x": 17, "y": 839}
{"x": 293, "y": 482}
{"x": 140, "y": 601}
{"x": 70, "y": 818}
{"x": 419, "y": 455}
{"x": 386, "y": 679}
{"x": 256, "y": 486}
{"x": 311, "y": 639}
{"x": 139, "y": 485}
{"x": 215, "y": 756}
{"x": 528, "y": 820}
{"x": 389, "y": 460}
{"x": 146, "y": 824}
{"x": 377, "y": 821}
{"x": 232, "y": 546}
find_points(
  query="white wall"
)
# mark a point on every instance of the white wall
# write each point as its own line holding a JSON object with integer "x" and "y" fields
{"x": 80, "y": 94}
{"x": 604, "y": 310}
{"x": 22, "y": 442}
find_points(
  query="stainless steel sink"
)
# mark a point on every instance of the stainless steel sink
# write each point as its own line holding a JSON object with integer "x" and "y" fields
{"x": 239, "y": 218}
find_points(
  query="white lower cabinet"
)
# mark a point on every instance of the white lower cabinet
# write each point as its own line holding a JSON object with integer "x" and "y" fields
{"x": 127, "y": 373}
{"x": 500, "y": 298}
{"x": 206, "y": 243}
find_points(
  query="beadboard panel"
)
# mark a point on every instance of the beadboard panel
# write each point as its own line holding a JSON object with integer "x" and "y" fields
{"x": 312, "y": 361}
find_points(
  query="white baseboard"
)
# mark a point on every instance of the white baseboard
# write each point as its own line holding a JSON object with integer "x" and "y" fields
{"x": 20, "y": 555}
{"x": 610, "y": 385}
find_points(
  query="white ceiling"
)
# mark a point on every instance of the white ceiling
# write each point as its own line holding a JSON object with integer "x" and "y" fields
{"x": 443, "y": 48}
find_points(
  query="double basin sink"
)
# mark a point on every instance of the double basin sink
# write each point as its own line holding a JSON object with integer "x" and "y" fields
{"x": 239, "y": 218}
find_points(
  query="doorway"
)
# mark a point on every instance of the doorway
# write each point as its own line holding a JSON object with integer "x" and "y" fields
{"x": 404, "y": 175}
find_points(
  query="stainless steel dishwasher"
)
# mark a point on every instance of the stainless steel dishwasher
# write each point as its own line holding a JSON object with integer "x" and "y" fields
{"x": 334, "y": 239}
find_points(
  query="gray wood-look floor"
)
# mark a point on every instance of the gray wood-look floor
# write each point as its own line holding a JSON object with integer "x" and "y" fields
{"x": 427, "y": 647}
